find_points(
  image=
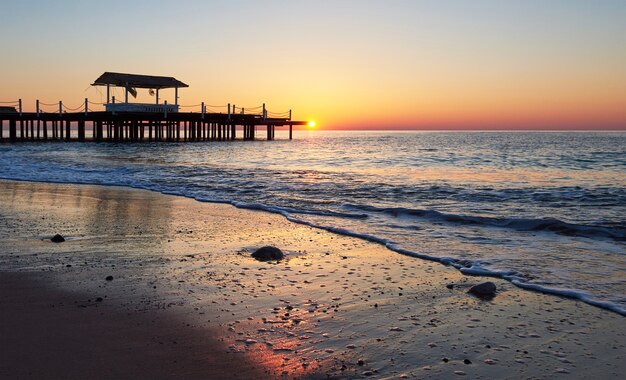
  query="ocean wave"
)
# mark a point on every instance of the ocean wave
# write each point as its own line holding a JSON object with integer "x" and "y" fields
{"x": 615, "y": 231}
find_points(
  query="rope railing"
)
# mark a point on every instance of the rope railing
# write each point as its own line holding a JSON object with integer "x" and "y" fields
{"x": 232, "y": 109}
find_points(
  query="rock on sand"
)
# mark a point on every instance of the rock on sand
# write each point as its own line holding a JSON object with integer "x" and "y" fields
{"x": 268, "y": 253}
{"x": 484, "y": 290}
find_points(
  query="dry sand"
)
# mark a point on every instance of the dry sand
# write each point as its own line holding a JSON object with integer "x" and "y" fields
{"x": 188, "y": 301}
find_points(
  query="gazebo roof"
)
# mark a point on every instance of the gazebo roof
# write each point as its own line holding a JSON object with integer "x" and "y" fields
{"x": 137, "y": 81}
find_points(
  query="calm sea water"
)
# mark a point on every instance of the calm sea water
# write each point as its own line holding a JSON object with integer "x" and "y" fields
{"x": 542, "y": 210}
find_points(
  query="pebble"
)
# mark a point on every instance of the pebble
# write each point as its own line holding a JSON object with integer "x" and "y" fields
{"x": 484, "y": 290}
{"x": 109, "y": 278}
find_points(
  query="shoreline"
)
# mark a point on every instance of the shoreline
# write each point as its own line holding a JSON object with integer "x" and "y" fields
{"x": 567, "y": 293}
{"x": 335, "y": 301}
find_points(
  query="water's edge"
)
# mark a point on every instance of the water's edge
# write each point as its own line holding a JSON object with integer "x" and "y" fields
{"x": 464, "y": 266}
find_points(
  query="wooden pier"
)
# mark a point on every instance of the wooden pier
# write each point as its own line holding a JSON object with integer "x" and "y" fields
{"x": 139, "y": 122}
{"x": 138, "y": 127}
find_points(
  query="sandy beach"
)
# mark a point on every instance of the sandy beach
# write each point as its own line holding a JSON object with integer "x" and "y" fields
{"x": 157, "y": 286}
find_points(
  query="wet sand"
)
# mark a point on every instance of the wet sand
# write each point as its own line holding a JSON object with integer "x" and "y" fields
{"x": 187, "y": 300}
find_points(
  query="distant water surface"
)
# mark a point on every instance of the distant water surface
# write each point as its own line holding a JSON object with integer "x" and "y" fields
{"x": 542, "y": 210}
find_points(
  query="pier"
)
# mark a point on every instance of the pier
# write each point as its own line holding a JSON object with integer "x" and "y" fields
{"x": 140, "y": 122}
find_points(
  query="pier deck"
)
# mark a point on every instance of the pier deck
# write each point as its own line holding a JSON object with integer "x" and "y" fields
{"x": 137, "y": 127}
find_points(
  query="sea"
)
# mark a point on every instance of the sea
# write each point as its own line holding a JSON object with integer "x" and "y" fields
{"x": 545, "y": 211}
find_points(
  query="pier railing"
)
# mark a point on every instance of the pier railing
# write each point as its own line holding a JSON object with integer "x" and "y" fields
{"x": 138, "y": 122}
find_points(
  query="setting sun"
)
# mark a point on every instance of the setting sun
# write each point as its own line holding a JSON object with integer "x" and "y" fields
{"x": 311, "y": 124}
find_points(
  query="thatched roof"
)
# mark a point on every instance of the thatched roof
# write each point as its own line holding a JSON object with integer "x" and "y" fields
{"x": 137, "y": 81}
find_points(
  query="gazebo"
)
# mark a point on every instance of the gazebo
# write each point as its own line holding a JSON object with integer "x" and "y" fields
{"x": 130, "y": 83}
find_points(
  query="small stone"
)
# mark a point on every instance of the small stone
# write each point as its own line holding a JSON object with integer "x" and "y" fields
{"x": 367, "y": 373}
{"x": 109, "y": 278}
{"x": 486, "y": 290}
{"x": 450, "y": 286}
{"x": 99, "y": 299}
{"x": 395, "y": 329}
{"x": 361, "y": 362}
{"x": 268, "y": 253}
{"x": 467, "y": 361}
{"x": 460, "y": 373}
{"x": 445, "y": 360}
{"x": 351, "y": 346}
{"x": 57, "y": 239}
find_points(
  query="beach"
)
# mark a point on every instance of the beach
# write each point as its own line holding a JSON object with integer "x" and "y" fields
{"x": 148, "y": 285}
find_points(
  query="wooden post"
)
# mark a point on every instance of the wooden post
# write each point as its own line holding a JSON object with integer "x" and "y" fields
{"x": 228, "y": 111}
{"x": 81, "y": 130}
{"x": 176, "y": 96}
{"x": 108, "y": 93}
{"x": 32, "y": 129}
{"x": 289, "y": 115}
{"x": 12, "y": 130}
{"x": 67, "y": 130}
{"x": 20, "y": 106}
{"x": 86, "y": 106}
{"x": 264, "y": 112}
{"x": 203, "y": 110}
{"x": 290, "y": 132}
{"x": 21, "y": 129}
{"x": 45, "y": 130}
{"x": 126, "y": 93}
{"x": 157, "y": 96}
{"x": 165, "y": 109}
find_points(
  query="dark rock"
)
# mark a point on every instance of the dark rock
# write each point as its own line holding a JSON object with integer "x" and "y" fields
{"x": 109, "y": 278}
{"x": 268, "y": 253}
{"x": 450, "y": 286}
{"x": 57, "y": 239}
{"x": 445, "y": 360}
{"x": 360, "y": 362}
{"x": 486, "y": 290}
{"x": 467, "y": 361}
{"x": 99, "y": 299}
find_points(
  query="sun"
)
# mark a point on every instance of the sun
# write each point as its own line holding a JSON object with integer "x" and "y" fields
{"x": 311, "y": 124}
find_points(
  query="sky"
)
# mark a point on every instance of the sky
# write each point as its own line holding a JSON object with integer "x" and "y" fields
{"x": 347, "y": 64}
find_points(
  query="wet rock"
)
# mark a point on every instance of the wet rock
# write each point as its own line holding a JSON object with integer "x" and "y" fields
{"x": 268, "y": 253}
{"x": 467, "y": 361}
{"x": 57, "y": 239}
{"x": 109, "y": 278}
{"x": 486, "y": 290}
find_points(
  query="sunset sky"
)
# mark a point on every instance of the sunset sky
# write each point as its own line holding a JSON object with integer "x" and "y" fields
{"x": 347, "y": 64}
